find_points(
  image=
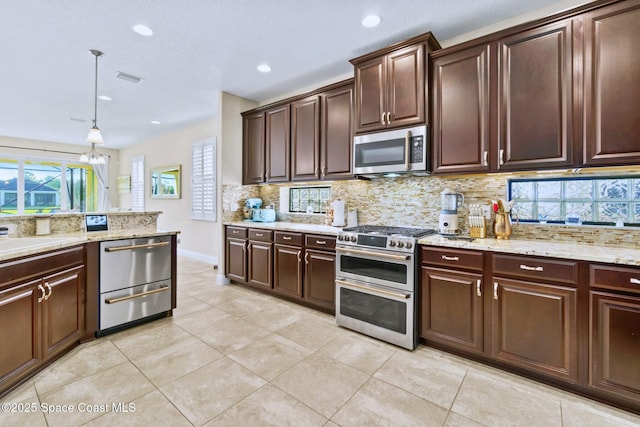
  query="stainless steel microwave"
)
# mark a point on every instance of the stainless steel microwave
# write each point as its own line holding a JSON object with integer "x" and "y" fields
{"x": 392, "y": 153}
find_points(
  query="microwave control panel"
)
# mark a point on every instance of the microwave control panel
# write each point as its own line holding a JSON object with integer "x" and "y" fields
{"x": 417, "y": 149}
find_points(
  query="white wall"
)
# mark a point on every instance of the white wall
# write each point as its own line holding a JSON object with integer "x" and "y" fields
{"x": 198, "y": 239}
{"x": 31, "y": 148}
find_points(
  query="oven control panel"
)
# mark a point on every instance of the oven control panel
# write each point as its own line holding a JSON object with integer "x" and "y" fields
{"x": 391, "y": 243}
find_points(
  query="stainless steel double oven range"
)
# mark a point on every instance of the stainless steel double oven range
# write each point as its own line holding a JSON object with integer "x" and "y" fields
{"x": 376, "y": 268}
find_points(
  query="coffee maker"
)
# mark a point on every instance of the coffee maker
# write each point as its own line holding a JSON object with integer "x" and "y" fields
{"x": 450, "y": 202}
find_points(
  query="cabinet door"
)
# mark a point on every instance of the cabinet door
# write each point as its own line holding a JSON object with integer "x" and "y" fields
{"x": 320, "y": 278}
{"x": 451, "y": 308}
{"x": 612, "y": 86}
{"x": 615, "y": 344}
{"x": 260, "y": 264}
{"x": 253, "y": 148}
{"x": 461, "y": 111}
{"x": 236, "y": 259}
{"x": 534, "y": 327}
{"x": 20, "y": 331}
{"x": 305, "y": 138}
{"x": 406, "y": 96}
{"x": 287, "y": 270}
{"x": 370, "y": 88}
{"x": 277, "y": 148}
{"x": 62, "y": 311}
{"x": 535, "y": 98}
{"x": 336, "y": 145}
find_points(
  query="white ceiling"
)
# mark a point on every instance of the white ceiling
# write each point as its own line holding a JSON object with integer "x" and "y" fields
{"x": 199, "y": 47}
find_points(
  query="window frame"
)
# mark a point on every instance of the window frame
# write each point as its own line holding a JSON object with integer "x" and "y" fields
{"x": 204, "y": 171}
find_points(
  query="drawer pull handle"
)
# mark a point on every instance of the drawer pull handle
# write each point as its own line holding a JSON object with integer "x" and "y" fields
{"x": 495, "y": 290}
{"x": 450, "y": 258}
{"x": 528, "y": 268}
{"x": 235, "y": 231}
{"x": 259, "y": 234}
{"x": 321, "y": 242}
{"x": 132, "y": 247}
{"x": 479, "y": 287}
{"x": 141, "y": 295}
{"x": 634, "y": 281}
{"x": 286, "y": 238}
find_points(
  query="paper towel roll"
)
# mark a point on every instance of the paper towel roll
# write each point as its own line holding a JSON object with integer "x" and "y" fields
{"x": 338, "y": 213}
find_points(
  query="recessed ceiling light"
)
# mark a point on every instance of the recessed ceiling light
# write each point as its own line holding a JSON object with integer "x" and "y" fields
{"x": 371, "y": 21}
{"x": 264, "y": 68}
{"x": 143, "y": 30}
{"x": 104, "y": 98}
{"x": 155, "y": 122}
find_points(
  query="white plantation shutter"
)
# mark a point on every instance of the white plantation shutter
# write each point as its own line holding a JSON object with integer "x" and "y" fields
{"x": 137, "y": 183}
{"x": 203, "y": 180}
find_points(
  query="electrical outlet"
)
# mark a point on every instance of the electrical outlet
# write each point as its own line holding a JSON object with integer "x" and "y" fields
{"x": 486, "y": 211}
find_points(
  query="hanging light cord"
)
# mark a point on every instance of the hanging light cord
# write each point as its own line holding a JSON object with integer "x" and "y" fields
{"x": 96, "y": 53}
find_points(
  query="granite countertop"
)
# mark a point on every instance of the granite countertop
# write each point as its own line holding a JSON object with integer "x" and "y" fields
{"x": 567, "y": 250}
{"x": 15, "y": 247}
{"x": 288, "y": 226}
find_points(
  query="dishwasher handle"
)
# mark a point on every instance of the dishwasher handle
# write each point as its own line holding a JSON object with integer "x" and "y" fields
{"x": 141, "y": 295}
{"x": 133, "y": 247}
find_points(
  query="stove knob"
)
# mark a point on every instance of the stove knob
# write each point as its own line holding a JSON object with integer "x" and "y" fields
{"x": 353, "y": 239}
{"x": 408, "y": 245}
{"x": 400, "y": 244}
{"x": 392, "y": 243}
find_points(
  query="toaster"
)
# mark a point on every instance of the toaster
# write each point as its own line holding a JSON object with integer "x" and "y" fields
{"x": 264, "y": 215}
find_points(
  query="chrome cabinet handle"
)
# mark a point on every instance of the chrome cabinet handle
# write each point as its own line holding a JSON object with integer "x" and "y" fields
{"x": 634, "y": 281}
{"x": 41, "y": 298}
{"x": 299, "y": 259}
{"x": 388, "y": 118}
{"x": 141, "y": 295}
{"x": 249, "y": 248}
{"x": 132, "y": 247}
{"x": 306, "y": 258}
{"x": 286, "y": 238}
{"x": 321, "y": 242}
{"x": 485, "y": 160}
{"x": 450, "y": 258}
{"x": 324, "y": 171}
{"x": 529, "y": 268}
{"x": 46, "y": 284}
{"x": 495, "y": 290}
{"x": 382, "y": 119}
{"x": 502, "y": 157}
{"x": 259, "y": 234}
{"x": 479, "y": 287}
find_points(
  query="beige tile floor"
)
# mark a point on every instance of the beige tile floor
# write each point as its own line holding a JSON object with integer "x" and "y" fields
{"x": 234, "y": 357}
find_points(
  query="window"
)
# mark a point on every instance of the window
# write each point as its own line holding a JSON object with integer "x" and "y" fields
{"x": 604, "y": 200}
{"x": 137, "y": 184}
{"x": 203, "y": 180}
{"x": 45, "y": 186}
{"x": 309, "y": 199}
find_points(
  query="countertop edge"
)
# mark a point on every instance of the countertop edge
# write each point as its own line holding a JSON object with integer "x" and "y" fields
{"x": 288, "y": 226}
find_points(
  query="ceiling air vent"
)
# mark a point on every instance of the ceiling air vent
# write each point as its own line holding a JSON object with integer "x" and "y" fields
{"x": 129, "y": 77}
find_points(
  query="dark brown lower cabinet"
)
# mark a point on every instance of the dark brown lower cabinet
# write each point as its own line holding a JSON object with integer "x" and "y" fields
{"x": 42, "y": 314}
{"x": 615, "y": 344}
{"x": 288, "y": 270}
{"x": 260, "y": 260}
{"x": 535, "y": 327}
{"x": 452, "y": 311}
{"x": 236, "y": 259}
{"x": 320, "y": 278}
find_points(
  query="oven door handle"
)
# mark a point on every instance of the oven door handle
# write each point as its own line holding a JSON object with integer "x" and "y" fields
{"x": 140, "y": 295}
{"x": 377, "y": 254}
{"x": 374, "y": 290}
{"x": 132, "y": 247}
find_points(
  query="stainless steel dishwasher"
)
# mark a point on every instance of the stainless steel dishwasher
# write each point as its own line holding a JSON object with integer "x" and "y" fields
{"x": 135, "y": 280}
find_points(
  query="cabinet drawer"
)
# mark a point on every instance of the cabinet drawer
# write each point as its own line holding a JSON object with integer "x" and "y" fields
{"x": 40, "y": 264}
{"x": 260, "y": 235}
{"x": 460, "y": 258}
{"x": 288, "y": 238}
{"x": 319, "y": 242}
{"x": 536, "y": 268}
{"x": 237, "y": 232}
{"x": 613, "y": 277}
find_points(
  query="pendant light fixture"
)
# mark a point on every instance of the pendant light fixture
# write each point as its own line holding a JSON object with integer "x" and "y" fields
{"x": 94, "y": 136}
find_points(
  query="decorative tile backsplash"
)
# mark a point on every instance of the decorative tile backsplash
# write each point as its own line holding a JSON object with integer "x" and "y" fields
{"x": 415, "y": 202}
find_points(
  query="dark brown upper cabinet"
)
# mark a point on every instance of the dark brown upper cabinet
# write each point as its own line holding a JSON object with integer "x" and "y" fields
{"x": 305, "y": 138}
{"x": 612, "y": 85}
{"x": 461, "y": 111}
{"x": 336, "y": 138}
{"x": 535, "y": 98}
{"x": 265, "y": 145}
{"x": 390, "y": 87}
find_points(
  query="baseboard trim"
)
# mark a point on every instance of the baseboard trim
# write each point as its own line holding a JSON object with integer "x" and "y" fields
{"x": 198, "y": 256}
